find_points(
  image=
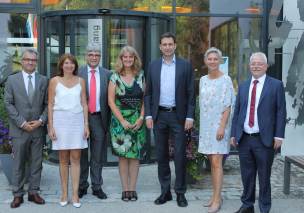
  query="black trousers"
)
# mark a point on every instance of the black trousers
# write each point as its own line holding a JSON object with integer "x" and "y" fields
{"x": 165, "y": 124}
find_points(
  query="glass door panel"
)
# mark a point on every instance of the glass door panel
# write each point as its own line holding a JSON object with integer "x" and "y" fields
{"x": 124, "y": 32}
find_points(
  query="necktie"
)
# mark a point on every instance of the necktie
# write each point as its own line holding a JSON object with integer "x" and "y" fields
{"x": 30, "y": 88}
{"x": 92, "y": 98}
{"x": 252, "y": 103}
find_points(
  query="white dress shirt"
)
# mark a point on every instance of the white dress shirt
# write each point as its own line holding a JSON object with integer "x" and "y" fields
{"x": 26, "y": 80}
{"x": 97, "y": 77}
{"x": 259, "y": 87}
{"x": 167, "y": 84}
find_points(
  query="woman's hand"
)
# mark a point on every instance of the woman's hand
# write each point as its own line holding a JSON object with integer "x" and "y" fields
{"x": 126, "y": 125}
{"x": 86, "y": 133}
{"x": 138, "y": 124}
{"x": 52, "y": 134}
{"x": 220, "y": 133}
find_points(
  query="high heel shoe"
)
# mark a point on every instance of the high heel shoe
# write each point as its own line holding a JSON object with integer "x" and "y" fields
{"x": 133, "y": 196}
{"x": 215, "y": 209}
{"x": 77, "y": 205}
{"x": 208, "y": 204}
{"x": 125, "y": 196}
{"x": 63, "y": 203}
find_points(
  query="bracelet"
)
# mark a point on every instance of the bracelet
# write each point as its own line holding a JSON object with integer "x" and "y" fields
{"x": 141, "y": 117}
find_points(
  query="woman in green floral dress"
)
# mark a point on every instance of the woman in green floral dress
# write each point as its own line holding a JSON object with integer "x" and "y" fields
{"x": 125, "y": 94}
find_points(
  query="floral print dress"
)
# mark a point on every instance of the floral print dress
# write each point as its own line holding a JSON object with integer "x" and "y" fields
{"x": 128, "y": 99}
{"x": 215, "y": 95}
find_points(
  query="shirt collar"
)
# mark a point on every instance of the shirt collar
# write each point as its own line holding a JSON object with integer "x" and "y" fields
{"x": 25, "y": 74}
{"x": 96, "y": 69}
{"x": 173, "y": 60}
{"x": 260, "y": 79}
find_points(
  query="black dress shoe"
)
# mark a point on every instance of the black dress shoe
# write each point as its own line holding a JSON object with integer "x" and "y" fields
{"x": 36, "y": 199}
{"x": 100, "y": 194}
{"x": 16, "y": 202}
{"x": 163, "y": 198}
{"x": 181, "y": 200}
{"x": 82, "y": 192}
{"x": 246, "y": 210}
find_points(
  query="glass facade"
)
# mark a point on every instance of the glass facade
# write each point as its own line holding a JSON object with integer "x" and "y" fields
{"x": 236, "y": 37}
{"x": 237, "y": 27}
{"x": 17, "y": 31}
{"x": 15, "y": 1}
{"x": 163, "y": 6}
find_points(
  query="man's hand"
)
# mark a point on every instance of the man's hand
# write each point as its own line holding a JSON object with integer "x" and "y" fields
{"x": 35, "y": 124}
{"x": 27, "y": 127}
{"x": 188, "y": 124}
{"x": 149, "y": 123}
{"x": 277, "y": 144}
{"x": 233, "y": 142}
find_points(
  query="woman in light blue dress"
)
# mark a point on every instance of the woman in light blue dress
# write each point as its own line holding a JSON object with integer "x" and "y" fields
{"x": 216, "y": 99}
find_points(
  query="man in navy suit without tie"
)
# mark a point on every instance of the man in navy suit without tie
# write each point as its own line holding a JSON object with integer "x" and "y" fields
{"x": 258, "y": 128}
{"x": 169, "y": 107}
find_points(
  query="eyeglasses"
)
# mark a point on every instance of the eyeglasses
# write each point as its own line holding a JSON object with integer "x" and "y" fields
{"x": 257, "y": 64}
{"x": 29, "y": 60}
{"x": 94, "y": 55}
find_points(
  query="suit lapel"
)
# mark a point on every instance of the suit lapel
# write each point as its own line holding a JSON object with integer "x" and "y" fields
{"x": 246, "y": 90}
{"x": 103, "y": 84}
{"x": 178, "y": 71}
{"x": 85, "y": 75}
{"x": 22, "y": 85}
{"x": 158, "y": 73}
{"x": 37, "y": 85}
{"x": 264, "y": 90}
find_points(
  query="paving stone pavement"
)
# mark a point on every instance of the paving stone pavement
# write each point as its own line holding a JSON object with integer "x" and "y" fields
{"x": 148, "y": 189}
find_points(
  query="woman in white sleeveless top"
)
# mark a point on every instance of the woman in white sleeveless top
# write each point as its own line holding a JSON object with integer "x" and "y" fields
{"x": 68, "y": 123}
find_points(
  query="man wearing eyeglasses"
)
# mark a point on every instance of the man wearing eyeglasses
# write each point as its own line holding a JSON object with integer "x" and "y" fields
{"x": 25, "y": 99}
{"x": 96, "y": 78}
{"x": 258, "y": 130}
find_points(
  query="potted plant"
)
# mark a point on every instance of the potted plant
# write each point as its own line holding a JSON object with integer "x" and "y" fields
{"x": 195, "y": 160}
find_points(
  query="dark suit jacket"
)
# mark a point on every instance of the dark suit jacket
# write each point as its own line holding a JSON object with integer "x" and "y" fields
{"x": 104, "y": 81}
{"x": 184, "y": 89}
{"x": 271, "y": 111}
{"x": 20, "y": 109}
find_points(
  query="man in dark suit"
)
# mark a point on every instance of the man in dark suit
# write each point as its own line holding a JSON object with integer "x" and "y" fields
{"x": 25, "y": 99}
{"x": 258, "y": 128}
{"x": 169, "y": 108}
{"x": 96, "y": 79}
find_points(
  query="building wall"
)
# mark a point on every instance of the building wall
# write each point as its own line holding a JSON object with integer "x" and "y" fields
{"x": 293, "y": 77}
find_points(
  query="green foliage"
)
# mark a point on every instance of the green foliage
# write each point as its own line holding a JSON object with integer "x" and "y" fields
{"x": 5, "y": 140}
{"x": 3, "y": 114}
{"x": 196, "y": 159}
{"x": 194, "y": 167}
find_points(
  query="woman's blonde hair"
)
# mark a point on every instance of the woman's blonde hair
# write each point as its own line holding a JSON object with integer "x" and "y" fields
{"x": 216, "y": 51}
{"x": 136, "y": 67}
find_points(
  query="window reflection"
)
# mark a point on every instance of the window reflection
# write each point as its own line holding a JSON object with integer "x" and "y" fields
{"x": 237, "y": 38}
{"x": 16, "y": 32}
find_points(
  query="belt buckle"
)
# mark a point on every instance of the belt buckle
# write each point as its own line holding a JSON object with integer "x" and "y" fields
{"x": 170, "y": 109}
